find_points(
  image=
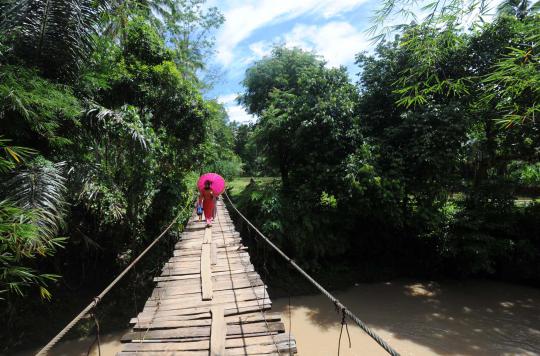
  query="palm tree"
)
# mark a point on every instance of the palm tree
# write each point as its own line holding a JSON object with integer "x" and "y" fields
{"x": 518, "y": 8}
{"x": 53, "y": 35}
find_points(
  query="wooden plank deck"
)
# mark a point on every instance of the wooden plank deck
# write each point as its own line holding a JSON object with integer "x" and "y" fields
{"x": 209, "y": 300}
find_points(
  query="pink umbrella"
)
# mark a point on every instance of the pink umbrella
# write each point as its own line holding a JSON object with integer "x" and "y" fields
{"x": 217, "y": 183}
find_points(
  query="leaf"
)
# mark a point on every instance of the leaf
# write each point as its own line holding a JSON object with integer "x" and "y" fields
{"x": 44, "y": 293}
{"x": 13, "y": 154}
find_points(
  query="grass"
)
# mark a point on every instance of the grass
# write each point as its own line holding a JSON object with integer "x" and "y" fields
{"x": 238, "y": 184}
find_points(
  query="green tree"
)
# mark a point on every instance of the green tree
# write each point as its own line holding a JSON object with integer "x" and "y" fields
{"x": 303, "y": 106}
{"x": 307, "y": 129}
{"x": 518, "y": 8}
{"x": 432, "y": 39}
{"x": 189, "y": 24}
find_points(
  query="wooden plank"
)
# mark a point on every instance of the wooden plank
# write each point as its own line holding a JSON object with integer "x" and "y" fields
{"x": 217, "y": 267}
{"x": 188, "y": 321}
{"x": 176, "y": 259}
{"x": 195, "y": 275}
{"x": 189, "y": 314}
{"x": 207, "y": 235}
{"x": 165, "y": 304}
{"x": 187, "y": 353}
{"x": 214, "y": 252}
{"x": 218, "y": 332}
{"x": 194, "y": 246}
{"x": 235, "y": 294}
{"x": 174, "y": 292}
{"x": 180, "y": 281}
{"x": 179, "y": 262}
{"x": 204, "y": 332}
{"x": 206, "y": 273}
{"x": 230, "y": 344}
{"x": 219, "y": 285}
{"x": 179, "y": 309}
{"x": 197, "y": 252}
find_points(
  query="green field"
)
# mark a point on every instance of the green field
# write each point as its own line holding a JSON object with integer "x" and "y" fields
{"x": 238, "y": 184}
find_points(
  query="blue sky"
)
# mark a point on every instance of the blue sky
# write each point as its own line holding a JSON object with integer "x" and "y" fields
{"x": 334, "y": 29}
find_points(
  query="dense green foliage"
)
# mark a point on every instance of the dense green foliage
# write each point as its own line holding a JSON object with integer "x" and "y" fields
{"x": 107, "y": 130}
{"x": 408, "y": 172}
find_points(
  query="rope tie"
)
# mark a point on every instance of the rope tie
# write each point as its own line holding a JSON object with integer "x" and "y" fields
{"x": 93, "y": 314}
{"x": 343, "y": 322}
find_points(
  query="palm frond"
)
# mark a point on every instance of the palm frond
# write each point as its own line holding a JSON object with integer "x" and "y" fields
{"x": 13, "y": 155}
{"x": 41, "y": 188}
{"x": 55, "y": 35}
{"x": 117, "y": 122}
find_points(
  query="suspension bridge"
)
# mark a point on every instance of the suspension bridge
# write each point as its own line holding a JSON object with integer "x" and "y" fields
{"x": 209, "y": 300}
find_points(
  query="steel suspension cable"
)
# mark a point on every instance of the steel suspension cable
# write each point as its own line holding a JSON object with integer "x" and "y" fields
{"x": 337, "y": 303}
{"x": 97, "y": 299}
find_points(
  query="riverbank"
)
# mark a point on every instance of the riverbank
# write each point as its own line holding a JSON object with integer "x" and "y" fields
{"x": 472, "y": 317}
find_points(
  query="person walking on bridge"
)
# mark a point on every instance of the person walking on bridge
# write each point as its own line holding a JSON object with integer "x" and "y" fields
{"x": 207, "y": 199}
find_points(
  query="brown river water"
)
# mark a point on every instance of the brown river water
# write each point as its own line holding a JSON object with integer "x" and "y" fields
{"x": 416, "y": 318}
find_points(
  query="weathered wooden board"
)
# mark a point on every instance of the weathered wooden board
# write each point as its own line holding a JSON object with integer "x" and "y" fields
{"x": 204, "y": 331}
{"x": 206, "y": 273}
{"x": 164, "y": 293}
{"x": 214, "y": 253}
{"x": 145, "y": 324}
{"x": 168, "y": 304}
{"x": 177, "y": 309}
{"x": 218, "y": 332}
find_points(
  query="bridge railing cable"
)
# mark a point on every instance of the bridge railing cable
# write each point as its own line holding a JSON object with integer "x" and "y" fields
{"x": 334, "y": 300}
{"x": 97, "y": 299}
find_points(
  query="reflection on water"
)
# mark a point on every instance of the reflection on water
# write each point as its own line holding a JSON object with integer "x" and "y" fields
{"x": 451, "y": 318}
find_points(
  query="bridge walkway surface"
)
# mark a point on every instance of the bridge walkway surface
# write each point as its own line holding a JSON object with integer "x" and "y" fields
{"x": 209, "y": 300}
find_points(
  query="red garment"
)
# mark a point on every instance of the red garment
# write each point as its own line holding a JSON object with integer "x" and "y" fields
{"x": 208, "y": 202}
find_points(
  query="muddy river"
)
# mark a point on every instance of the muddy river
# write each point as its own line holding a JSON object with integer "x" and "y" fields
{"x": 416, "y": 318}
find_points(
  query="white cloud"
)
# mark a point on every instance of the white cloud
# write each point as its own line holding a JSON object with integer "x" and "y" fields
{"x": 244, "y": 17}
{"x": 337, "y": 7}
{"x": 235, "y": 111}
{"x": 337, "y": 41}
{"x": 238, "y": 114}
{"x": 261, "y": 48}
{"x": 227, "y": 99}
